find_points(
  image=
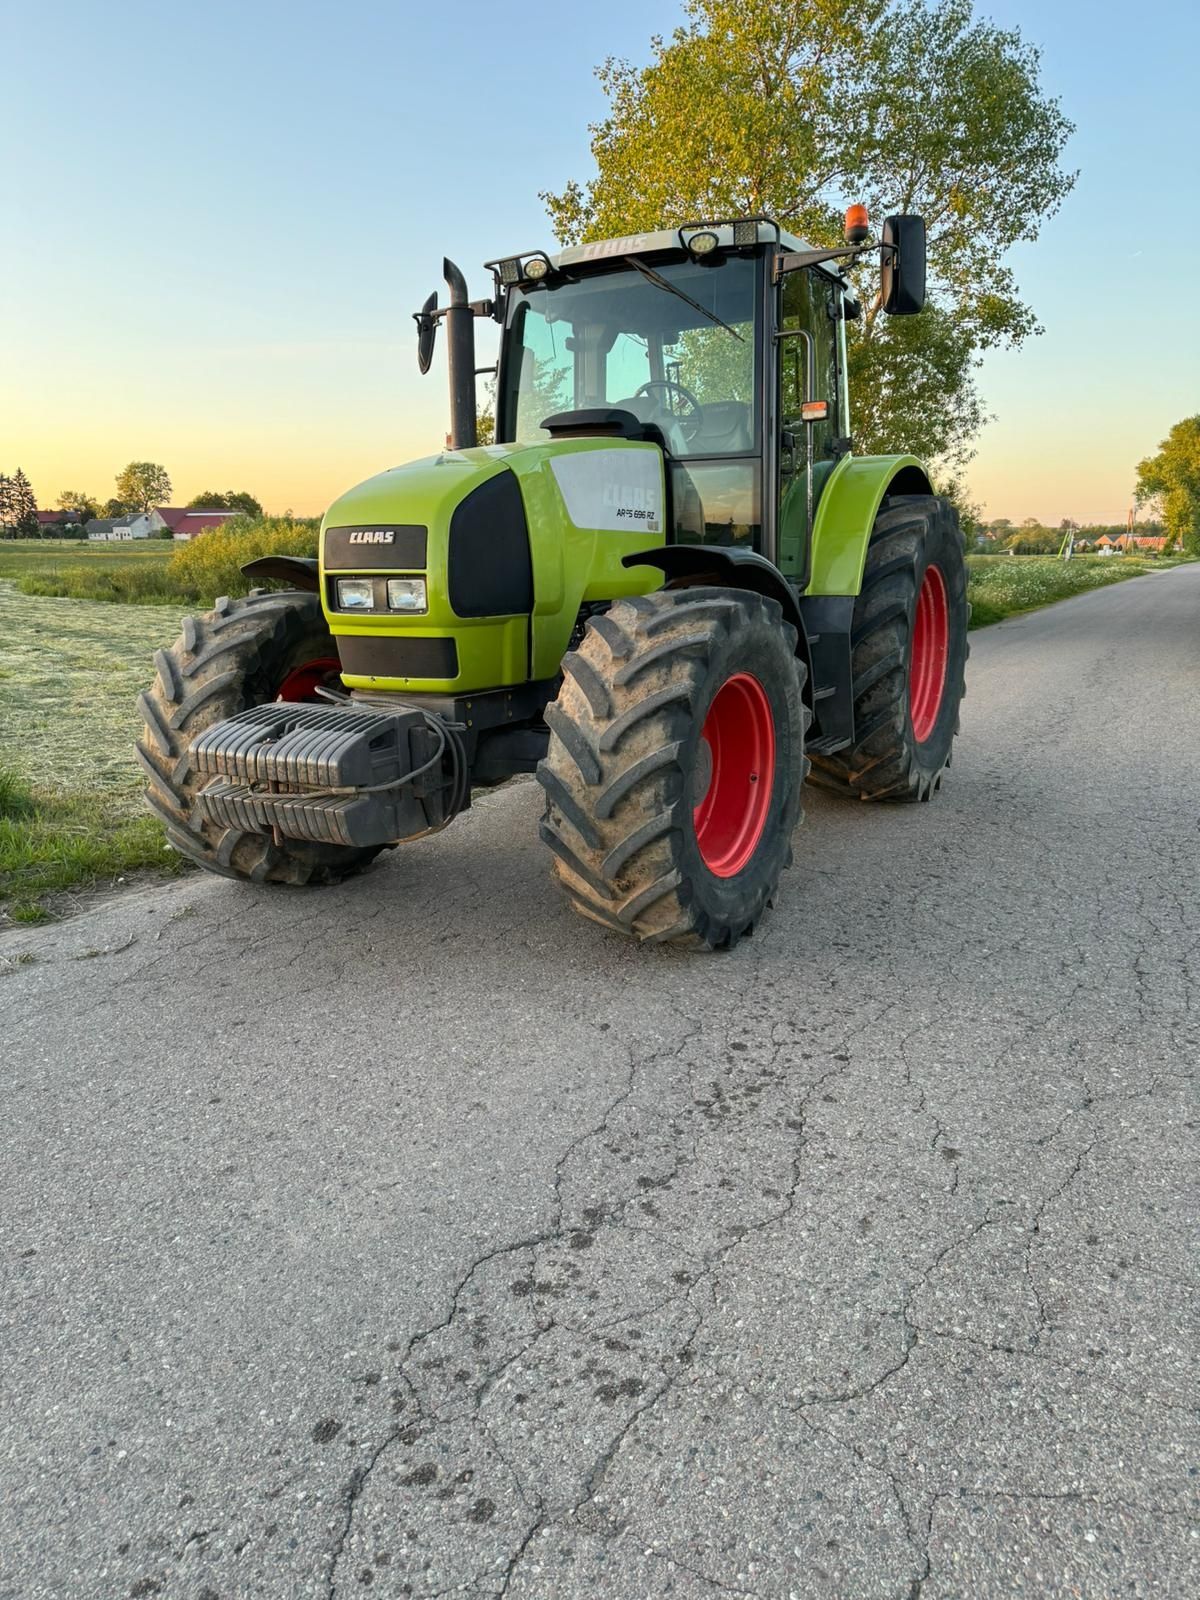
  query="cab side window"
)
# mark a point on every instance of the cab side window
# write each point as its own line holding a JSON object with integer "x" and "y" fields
{"x": 809, "y": 299}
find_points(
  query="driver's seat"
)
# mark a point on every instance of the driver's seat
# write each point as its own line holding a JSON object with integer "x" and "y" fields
{"x": 724, "y": 429}
{"x": 647, "y": 409}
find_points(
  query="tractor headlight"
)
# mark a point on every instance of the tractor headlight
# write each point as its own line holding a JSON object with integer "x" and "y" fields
{"x": 536, "y": 268}
{"x": 703, "y": 244}
{"x": 355, "y": 594}
{"x": 406, "y": 594}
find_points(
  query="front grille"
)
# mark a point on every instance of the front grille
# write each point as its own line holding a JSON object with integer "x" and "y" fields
{"x": 390, "y": 656}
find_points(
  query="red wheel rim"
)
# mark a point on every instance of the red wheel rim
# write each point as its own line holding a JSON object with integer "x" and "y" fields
{"x": 739, "y": 738}
{"x": 930, "y": 649}
{"x": 301, "y": 683}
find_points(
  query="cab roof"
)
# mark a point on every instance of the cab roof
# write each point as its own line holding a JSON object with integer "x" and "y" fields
{"x": 638, "y": 244}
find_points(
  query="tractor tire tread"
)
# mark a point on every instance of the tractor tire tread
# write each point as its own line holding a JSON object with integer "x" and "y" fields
{"x": 615, "y": 789}
{"x": 884, "y": 762}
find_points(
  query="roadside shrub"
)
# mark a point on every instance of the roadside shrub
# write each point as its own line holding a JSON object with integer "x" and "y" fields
{"x": 208, "y": 566}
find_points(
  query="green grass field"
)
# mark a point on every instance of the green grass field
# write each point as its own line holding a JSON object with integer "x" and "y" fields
{"x": 133, "y": 573}
{"x": 71, "y": 816}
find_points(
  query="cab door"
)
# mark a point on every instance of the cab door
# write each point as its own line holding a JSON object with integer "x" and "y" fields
{"x": 806, "y": 345}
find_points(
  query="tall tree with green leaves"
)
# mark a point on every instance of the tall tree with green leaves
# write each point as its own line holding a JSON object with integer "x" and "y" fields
{"x": 143, "y": 484}
{"x": 796, "y": 108}
{"x": 1171, "y": 478}
{"x": 6, "y": 506}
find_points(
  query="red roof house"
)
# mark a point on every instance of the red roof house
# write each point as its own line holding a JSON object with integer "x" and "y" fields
{"x": 186, "y": 524}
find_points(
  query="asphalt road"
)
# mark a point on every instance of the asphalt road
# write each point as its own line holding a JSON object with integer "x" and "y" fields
{"x": 417, "y": 1238}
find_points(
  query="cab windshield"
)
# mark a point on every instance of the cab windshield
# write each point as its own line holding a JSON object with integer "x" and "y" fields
{"x": 616, "y": 338}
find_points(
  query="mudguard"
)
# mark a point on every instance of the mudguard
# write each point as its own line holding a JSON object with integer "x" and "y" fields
{"x": 299, "y": 571}
{"x": 740, "y": 569}
{"x": 846, "y": 515}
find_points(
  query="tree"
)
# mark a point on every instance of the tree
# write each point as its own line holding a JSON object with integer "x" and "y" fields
{"x": 230, "y": 500}
{"x": 6, "y": 506}
{"x": 970, "y": 513}
{"x": 1032, "y": 539}
{"x": 144, "y": 484}
{"x": 82, "y": 504}
{"x": 23, "y": 507}
{"x": 1172, "y": 479}
{"x": 116, "y": 508}
{"x": 793, "y": 107}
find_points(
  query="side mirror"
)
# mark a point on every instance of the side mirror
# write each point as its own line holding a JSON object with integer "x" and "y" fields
{"x": 902, "y": 265}
{"x": 426, "y": 332}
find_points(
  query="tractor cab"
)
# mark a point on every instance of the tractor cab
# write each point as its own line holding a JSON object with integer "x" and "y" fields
{"x": 723, "y": 342}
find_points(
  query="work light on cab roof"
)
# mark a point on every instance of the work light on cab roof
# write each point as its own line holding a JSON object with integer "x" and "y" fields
{"x": 668, "y": 588}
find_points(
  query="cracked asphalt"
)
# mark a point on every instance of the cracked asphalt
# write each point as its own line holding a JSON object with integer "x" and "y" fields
{"x": 416, "y": 1238}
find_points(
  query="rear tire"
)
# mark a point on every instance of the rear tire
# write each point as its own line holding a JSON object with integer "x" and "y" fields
{"x": 675, "y": 707}
{"x": 243, "y": 653}
{"x": 909, "y": 644}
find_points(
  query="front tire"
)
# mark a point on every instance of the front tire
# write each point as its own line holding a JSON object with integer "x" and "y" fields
{"x": 271, "y": 646}
{"x": 675, "y": 766}
{"x": 909, "y": 653}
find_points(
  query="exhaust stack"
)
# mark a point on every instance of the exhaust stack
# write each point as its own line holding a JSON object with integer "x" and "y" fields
{"x": 460, "y": 357}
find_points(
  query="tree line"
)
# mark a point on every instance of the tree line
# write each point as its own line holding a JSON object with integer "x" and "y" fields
{"x": 140, "y": 486}
{"x": 1034, "y": 538}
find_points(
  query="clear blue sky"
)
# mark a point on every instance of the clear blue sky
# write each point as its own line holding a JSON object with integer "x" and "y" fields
{"x": 221, "y": 216}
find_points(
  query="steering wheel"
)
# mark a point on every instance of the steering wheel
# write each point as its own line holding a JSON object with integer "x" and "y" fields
{"x": 689, "y": 420}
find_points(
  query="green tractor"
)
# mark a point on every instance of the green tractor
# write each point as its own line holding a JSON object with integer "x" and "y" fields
{"x": 668, "y": 588}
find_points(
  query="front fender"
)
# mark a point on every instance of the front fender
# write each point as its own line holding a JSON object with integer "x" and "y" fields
{"x": 299, "y": 571}
{"x": 729, "y": 567}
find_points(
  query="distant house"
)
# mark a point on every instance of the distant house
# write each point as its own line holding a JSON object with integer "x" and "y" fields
{"x": 1153, "y": 544}
{"x": 181, "y": 522}
{"x": 137, "y": 525}
{"x": 186, "y": 524}
{"x": 51, "y": 520}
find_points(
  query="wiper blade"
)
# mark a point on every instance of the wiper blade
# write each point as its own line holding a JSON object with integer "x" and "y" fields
{"x": 665, "y": 283}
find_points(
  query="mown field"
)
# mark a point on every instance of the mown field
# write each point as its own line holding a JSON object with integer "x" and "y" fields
{"x": 71, "y": 816}
{"x": 70, "y": 791}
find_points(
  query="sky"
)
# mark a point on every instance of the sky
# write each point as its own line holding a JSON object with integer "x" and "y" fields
{"x": 220, "y": 217}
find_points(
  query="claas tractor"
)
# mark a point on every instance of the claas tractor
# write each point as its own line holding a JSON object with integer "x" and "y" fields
{"x": 668, "y": 589}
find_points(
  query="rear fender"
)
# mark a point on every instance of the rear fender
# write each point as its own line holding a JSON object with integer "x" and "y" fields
{"x": 846, "y": 516}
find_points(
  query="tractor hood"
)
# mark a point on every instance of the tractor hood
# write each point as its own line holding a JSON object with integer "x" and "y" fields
{"x": 510, "y": 540}
{"x": 602, "y": 482}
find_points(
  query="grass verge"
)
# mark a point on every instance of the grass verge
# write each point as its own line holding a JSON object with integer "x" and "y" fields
{"x": 51, "y": 844}
{"x": 1004, "y": 586}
